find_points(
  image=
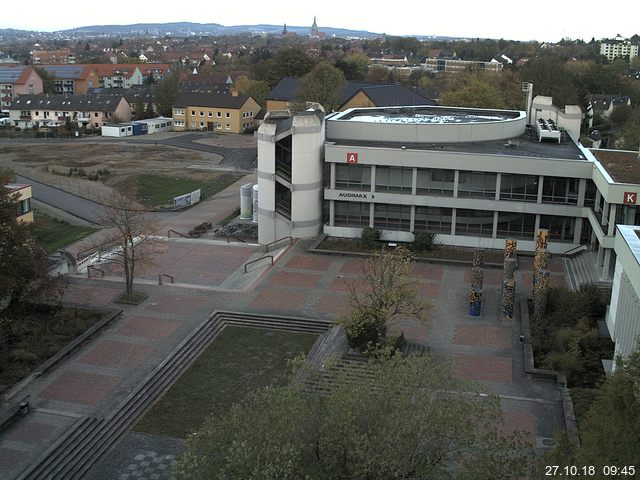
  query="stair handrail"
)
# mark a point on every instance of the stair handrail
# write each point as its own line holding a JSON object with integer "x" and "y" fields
{"x": 257, "y": 260}
{"x": 573, "y": 250}
{"x": 91, "y": 267}
{"x": 266, "y": 247}
{"x": 175, "y": 231}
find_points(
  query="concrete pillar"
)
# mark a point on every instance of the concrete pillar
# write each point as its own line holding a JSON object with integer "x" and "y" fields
{"x": 498, "y": 181}
{"x": 606, "y": 265}
{"x": 536, "y": 225}
{"x": 540, "y": 185}
{"x": 494, "y": 230}
{"x": 453, "y": 221}
{"x": 508, "y": 297}
{"x": 612, "y": 219}
{"x": 600, "y": 257}
{"x": 582, "y": 190}
{"x": 372, "y": 207}
{"x": 456, "y": 181}
{"x": 412, "y": 221}
{"x": 373, "y": 179}
{"x": 414, "y": 182}
{"x": 577, "y": 230}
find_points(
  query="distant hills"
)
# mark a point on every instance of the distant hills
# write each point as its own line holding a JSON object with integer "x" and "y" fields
{"x": 188, "y": 29}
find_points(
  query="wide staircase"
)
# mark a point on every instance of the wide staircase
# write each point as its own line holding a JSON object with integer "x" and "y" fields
{"x": 89, "y": 438}
{"x": 582, "y": 271}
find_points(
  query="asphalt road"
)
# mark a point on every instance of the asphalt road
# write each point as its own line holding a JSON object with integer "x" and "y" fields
{"x": 78, "y": 206}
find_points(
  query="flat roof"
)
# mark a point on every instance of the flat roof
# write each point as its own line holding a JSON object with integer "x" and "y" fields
{"x": 426, "y": 115}
{"x": 623, "y": 166}
{"x": 525, "y": 145}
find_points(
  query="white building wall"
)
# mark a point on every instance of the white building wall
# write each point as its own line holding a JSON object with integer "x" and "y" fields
{"x": 266, "y": 183}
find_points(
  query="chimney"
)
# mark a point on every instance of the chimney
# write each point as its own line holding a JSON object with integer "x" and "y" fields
{"x": 234, "y": 93}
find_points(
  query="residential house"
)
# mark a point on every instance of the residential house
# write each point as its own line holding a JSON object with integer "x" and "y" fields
{"x": 123, "y": 75}
{"x": 156, "y": 70}
{"x": 23, "y": 193}
{"x": 17, "y": 80}
{"x": 85, "y": 111}
{"x": 214, "y": 112}
{"x": 354, "y": 94}
{"x": 62, "y": 56}
{"x": 390, "y": 60}
{"x": 72, "y": 79}
{"x": 603, "y": 105}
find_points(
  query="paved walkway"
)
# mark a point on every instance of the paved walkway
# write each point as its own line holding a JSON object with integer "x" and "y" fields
{"x": 99, "y": 375}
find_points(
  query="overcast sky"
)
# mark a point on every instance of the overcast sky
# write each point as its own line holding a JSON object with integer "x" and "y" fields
{"x": 546, "y": 20}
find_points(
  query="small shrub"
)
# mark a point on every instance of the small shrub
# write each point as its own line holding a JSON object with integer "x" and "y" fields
{"x": 22, "y": 355}
{"x": 423, "y": 241}
{"x": 370, "y": 237}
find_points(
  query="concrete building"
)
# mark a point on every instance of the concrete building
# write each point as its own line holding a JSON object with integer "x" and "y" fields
{"x": 290, "y": 174}
{"x": 17, "y": 80}
{"x": 472, "y": 176}
{"x": 623, "y": 314}
{"x": 618, "y": 47}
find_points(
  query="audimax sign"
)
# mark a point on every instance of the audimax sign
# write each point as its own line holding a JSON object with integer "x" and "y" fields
{"x": 364, "y": 196}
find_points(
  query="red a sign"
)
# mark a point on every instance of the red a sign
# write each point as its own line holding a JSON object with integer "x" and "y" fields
{"x": 630, "y": 198}
{"x": 352, "y": 158}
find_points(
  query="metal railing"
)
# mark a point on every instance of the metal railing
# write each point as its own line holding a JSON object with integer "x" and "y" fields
{"x": 170, "y": 277}
{"x": 176, "y": 232}
{"x": 90, "y": 268}
{"x": 573, "y": 250}
{"x": 257, "y": 260}
{"x": 268, "y": 245}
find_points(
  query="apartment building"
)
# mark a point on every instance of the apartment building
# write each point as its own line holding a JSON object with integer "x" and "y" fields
{"x": 214, "y": 112}
{"x": 17, "y": 80}
{"x": 72, "y": 79}
{"x": 618, "y": 47}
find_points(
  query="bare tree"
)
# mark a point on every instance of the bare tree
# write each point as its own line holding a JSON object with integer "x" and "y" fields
{"x": 386, "y": 292}
{"x": 130, "y": 234}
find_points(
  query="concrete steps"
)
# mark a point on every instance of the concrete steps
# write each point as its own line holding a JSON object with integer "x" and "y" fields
{"x": 583, "y": 272}
{"x": 90, "y": 438}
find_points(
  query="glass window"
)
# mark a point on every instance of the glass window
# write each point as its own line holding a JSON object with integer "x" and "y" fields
{"x": 353, "y": 177}
{"x": 560, "y": 228}
{"x": 394, "y": 179}
{"x": 519, "y": 187}
{"x": 516, "y": 225}
{"x": 590, "y": 194}
{"x": 474, "y": 222}
{"x": 560, "y": 190}
{"x": 477, "y": 184}
{"x": 392, "y": 217}
{"x": 433, "y": 219}
{"x": 351, "y": 214}
{"x": 435, "y": 181}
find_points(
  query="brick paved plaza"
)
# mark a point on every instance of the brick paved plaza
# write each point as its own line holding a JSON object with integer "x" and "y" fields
{"x": 94, "y": 379}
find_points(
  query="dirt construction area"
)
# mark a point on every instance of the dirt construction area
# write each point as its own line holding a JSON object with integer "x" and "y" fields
{"x": 91, "y": 169}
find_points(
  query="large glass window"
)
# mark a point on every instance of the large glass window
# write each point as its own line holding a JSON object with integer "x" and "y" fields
{"x": 393, "y": 179}
{"x": 519, "y": 187}
{"x": 433, "y": 219}
{"x": 561, "y": 229}
{"x": 516, "y": 225}
{"x": 435, "y": 181}
{"x": 351, "y": 213}
{"x": 560, "y": 190}
{"x": 353, "y": 177}
{"x": 474, "y": 222}
{"x": 392, "y": 217}
{"x": 477, "y": 184}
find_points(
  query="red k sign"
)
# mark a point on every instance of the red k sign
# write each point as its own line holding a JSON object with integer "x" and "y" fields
{"x": 630, "y": 198}
{"x": 352, "y": 158}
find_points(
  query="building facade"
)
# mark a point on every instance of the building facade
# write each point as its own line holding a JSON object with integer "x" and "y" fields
{"x": 623, "y": 314}
{"x": 72, "y": 79}
{"x": 474, "y": 177}
{"x": 84, "y": 111}
{"x": 618, "y": 48}
{"x": 23, "y": 195}
{"x": 214, "y": 112}
{"x": 17, "y": 80}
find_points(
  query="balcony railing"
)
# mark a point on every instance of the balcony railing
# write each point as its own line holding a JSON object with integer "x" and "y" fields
{"x": 25, "y": 117}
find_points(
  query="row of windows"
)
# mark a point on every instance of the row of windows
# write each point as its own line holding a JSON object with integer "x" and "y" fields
{"x": 180, "y": 112}
{"x": 470, "y": 184}
{"x": 216, "y": 125}
{"x": 476, "y": 223}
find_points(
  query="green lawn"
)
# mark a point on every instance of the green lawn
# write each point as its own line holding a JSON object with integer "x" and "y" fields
{"x": 238, "y": 361}
{"x": 54, "y": 234}
{"x": 159, "y": 190}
